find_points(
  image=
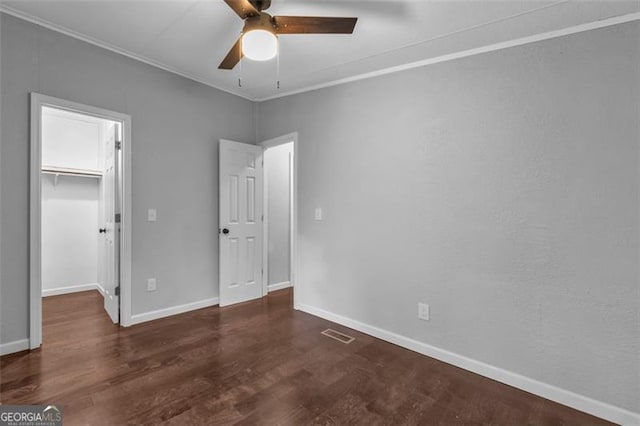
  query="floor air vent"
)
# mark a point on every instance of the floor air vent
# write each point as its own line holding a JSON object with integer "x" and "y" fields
{"x": 338, "y": 336}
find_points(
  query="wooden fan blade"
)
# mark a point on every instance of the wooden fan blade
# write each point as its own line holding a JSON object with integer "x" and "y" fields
{"x": 243, "y": 8}
{"x": 232, "y": 58}
{"x": 313, "y": 25}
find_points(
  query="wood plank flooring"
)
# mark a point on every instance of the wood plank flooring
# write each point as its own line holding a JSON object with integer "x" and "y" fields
{"x": 256, "y": 363}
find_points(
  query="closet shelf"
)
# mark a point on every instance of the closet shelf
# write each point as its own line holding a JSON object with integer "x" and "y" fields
{"x": 52, "y": 170}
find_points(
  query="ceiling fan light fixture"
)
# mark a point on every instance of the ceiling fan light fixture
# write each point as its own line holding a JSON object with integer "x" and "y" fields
{"x": 259, "y": 38}
{"x": 259, "y": 45}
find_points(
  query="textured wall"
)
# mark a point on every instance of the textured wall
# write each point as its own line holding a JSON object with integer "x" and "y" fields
{"x": 176, "y": 127}
{"x": 502, "y": 189}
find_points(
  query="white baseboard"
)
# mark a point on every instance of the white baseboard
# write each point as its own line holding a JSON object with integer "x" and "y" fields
{"x": 562, "y": 396}
{"x": 15, "y": 346}
{"x": 72, "y": 289}
{"x": 174, "y": 310}
{"x": 100, "y": 289}
{"x": 279, "y": 286}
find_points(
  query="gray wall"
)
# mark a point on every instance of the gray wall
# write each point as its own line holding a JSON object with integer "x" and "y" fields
{"x": 277, "y": 162}
{"x": 176, "y": 127}
{"x": 502, "y": 189}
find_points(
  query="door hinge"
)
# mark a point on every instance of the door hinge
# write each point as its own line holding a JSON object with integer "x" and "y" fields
{"x": 118, "y": 145}
{"x": 117, "y": 218}
{"x": 262, "y": 218}
{"x": 116, "y": 291}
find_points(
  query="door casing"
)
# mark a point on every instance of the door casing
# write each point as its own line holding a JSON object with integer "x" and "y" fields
{"x": 38, "y": 101}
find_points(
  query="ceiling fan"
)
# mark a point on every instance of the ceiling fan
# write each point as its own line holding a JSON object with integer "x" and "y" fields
{"x": 259, "y": 35}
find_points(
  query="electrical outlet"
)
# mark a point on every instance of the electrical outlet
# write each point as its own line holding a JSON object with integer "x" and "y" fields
{"x": 318, "y": 214}
{"x": 151, "y": 284}
{"x": 423, "y": 311}
{"x": 152, "y": 215}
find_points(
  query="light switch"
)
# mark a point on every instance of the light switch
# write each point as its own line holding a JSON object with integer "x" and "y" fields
{"x": 423, "y": 311}
{"x": 318, "y": 214}
{"x": 152, "y": 215}
{"x": 151, "y": 284}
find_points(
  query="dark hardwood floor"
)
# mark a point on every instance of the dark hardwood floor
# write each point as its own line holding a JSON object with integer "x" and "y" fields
{"x": 256, "y": 363}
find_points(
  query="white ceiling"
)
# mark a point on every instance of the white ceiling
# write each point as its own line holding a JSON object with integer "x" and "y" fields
{"x": 191, "y": 37}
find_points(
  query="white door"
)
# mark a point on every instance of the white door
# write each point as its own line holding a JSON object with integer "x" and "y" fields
{"x": 240, "y": 230}
{"x": 112, "y": 226}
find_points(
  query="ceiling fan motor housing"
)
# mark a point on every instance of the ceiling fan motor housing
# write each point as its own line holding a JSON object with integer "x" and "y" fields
{"x": 261, "y": 4}
{"x": 264, "y": 22}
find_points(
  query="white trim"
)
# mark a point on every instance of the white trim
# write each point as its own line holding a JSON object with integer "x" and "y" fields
{"x": 449, "y": 57}
{"x": 465, "y": 53}
{"x": 72, "y": 289}
{"x": 126, "y": 224}
{"x": 103, "y": 44}
{"x": 35, "y": 228}
{"x": 293, "y": 260}
{"x": 265, "y": 224}
{"x": 279, "y": 286}
{"x": 294, "y": 234}
{"x": 100, "y": 289}
{"x": 174, "y": 310}
{"x": 562, "y": 396}
{"x": 38, "y": 101}
{"x": 15, "y": 346}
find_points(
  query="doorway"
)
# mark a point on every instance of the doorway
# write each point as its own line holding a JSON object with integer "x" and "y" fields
{"x": 257, "y": 255}
{"x": 79, "y": 183}
{"x": 80, "y": 208}
{"x": 278, "y": 216}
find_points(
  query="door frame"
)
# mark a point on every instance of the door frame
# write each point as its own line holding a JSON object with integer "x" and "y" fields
{"x": 293, "y": 259}
{"x": 38, "y": 101}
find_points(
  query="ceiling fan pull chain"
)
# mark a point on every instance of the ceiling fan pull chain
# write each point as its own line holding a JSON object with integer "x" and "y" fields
{"x": 240, "y": 56}
{"x": 278, "y": 70}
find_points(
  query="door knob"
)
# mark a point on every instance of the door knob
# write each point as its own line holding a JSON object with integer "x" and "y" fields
{"x": 225, "y": 231}
{"x": 102, "y": 230}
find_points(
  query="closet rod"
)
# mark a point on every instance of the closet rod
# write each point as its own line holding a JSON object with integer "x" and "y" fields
{"x": 71, "y": 172}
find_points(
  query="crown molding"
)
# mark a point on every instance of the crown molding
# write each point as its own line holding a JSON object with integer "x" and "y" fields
{"x": 103, "y": 44}
{"x": 390, "y": 70}
{"x": 466, "y": 53}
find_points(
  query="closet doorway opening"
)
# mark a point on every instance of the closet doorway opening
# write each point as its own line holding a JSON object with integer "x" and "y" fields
{"x": 80, "y": 233}
{"x": 279, "y": 213}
